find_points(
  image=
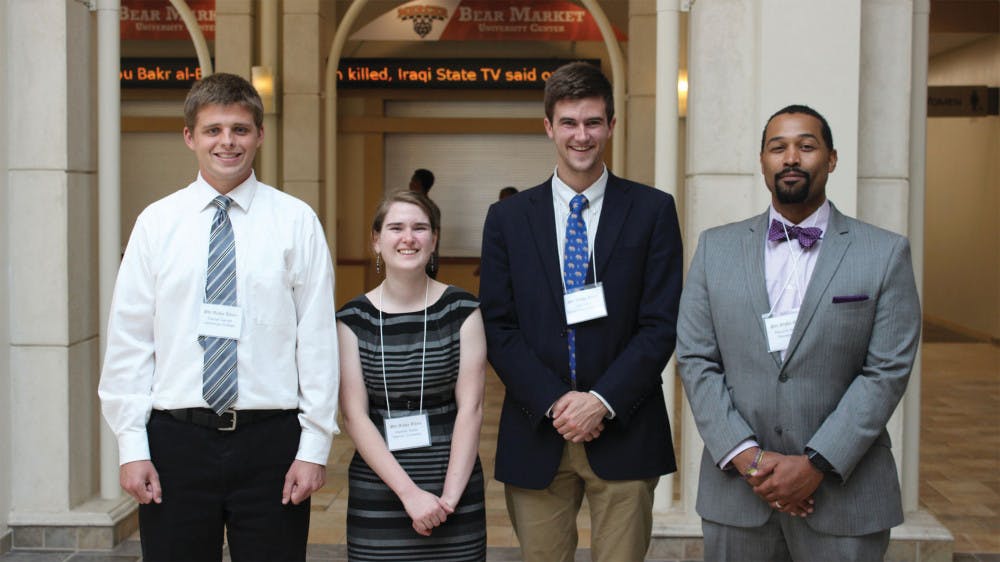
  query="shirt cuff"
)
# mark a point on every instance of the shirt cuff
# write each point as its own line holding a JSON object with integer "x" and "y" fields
{"x": 313, "y": 448}
{"x": 133, "y": 446}
{"x": 743, "y": 446}
{"x": 611, "y": 411}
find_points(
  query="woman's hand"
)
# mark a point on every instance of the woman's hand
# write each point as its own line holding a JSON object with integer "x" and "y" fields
{"x": 425, "y": 509}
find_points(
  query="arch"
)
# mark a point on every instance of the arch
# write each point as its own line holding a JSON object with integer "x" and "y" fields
{"x": 615, "y": 55}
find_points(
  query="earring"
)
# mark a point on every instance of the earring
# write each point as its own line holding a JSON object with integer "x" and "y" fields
{"x": 433, "y": 263}
{"x": 378, "y": 264}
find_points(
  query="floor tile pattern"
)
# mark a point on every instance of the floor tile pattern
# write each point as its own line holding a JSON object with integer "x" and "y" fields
{"x": 960, "y": 467}
{"x": 960, "y": 442}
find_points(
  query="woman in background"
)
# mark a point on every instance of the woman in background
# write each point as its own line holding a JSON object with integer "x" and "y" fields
{"x": 413, "y": 361}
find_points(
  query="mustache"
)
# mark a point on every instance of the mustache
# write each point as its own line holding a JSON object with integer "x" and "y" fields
{"x": 792, "y": 170}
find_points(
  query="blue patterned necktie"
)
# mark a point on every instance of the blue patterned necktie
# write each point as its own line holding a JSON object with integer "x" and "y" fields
{"x": 218, "y": 384}
{"x": 575, "y": 262}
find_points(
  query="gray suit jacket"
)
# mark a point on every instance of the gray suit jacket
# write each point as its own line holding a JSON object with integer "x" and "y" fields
{"x": 845, "y": 369}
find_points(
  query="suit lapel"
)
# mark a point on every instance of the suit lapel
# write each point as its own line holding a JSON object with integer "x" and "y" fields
{"x": 617, "y": 201}
{"x": 542, "y": 222}
{"x": 753, "y": 257}
{"x": 831, "y": 252}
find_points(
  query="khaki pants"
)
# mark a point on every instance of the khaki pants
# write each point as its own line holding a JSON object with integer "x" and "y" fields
{"x": 621, "y": 514}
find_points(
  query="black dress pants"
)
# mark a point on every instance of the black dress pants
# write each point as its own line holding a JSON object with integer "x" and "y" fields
{"x": 217, "y": 482}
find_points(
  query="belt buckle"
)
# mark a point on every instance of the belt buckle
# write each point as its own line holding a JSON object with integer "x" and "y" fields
{"x": 231, "y": 427}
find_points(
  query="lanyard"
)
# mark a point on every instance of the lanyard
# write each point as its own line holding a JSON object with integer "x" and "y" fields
{"x": 793, "y": 276}
{"x": 423, "y": 355}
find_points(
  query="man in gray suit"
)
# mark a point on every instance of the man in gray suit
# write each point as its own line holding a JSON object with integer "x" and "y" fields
{"x": 796, "y": 337}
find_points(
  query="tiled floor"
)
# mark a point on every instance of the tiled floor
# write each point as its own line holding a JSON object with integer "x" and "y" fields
{"x": 960, "y": 466}
{"x": 960, "y": 442}
{"x": 960, "y": 452}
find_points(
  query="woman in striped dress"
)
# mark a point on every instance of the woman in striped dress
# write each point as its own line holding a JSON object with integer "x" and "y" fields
{"x": 413, "y": 360}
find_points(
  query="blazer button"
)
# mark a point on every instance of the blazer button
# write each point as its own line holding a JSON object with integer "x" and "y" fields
{"x": 778, "y": 429}
{"x": 782, "y": 377}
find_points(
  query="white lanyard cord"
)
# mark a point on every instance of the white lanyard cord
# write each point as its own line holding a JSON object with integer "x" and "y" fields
{"x": 423, "y": 355}
{"x": 794, "y": 276}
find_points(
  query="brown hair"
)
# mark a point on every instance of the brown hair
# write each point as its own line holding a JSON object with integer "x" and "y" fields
{"x": 222, "y": 89}
{"x": 576, "y": 81}
{"x": 413, "y": 198}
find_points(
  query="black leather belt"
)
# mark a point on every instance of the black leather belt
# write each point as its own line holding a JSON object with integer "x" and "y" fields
{"x": 228, "y": 421}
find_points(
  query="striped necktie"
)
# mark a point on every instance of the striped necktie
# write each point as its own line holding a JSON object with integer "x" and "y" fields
{"x": 575, "y": 262}
{"x": 219, "y": 375}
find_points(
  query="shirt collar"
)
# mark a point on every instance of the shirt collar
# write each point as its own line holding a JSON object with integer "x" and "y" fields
{"x": 564, "y": 193}
{"x": 242, "y": 195}
{"x": 820, "y": 218}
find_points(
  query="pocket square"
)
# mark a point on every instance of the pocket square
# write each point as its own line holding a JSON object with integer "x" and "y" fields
{"x": 849, "y": 298}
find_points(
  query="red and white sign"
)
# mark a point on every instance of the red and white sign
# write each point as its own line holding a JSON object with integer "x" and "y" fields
{"x": 484, "y": 20}
{"x": 158, "y": 19}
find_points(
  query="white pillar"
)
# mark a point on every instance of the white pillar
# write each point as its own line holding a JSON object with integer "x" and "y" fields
{"x": 109, "y": 198}
{"x": 270, "y": 58}
{"x": 883, "y": 144}
{"x": 665, "y": 19}
{"x": 918, "y": 156}
{"x": 721, "y": 169}
{"x": 302, "y": 104}
{"x": 53, "y": 276}
{"x": 6, "y": 422}
{"x": 52, "y": 210}
{"x": 825, "y": 75}
{"x": 234, "y": 36}
{"x": 884, "y": 114}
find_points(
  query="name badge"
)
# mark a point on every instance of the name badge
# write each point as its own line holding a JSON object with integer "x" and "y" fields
{"x": 407, "y": 432}
{"x": 585, "y": 303}
{"x": 220, "y": 321}
{"x": 779, "y": 330}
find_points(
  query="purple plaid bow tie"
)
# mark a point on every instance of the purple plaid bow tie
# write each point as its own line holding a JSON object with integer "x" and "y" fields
{"x": 807, "y": 236}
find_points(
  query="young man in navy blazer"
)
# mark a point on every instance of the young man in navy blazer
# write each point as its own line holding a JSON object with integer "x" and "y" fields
{"x": 582, "y": 355}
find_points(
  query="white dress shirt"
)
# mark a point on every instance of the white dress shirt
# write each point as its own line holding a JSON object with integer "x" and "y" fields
{"x": 788, "y": 267}
{"x": 562, "y": 194}
{"x": 287, "y": 352}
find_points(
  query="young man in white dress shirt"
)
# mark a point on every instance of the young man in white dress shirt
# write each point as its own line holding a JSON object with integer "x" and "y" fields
{"x": 241, "y": 461}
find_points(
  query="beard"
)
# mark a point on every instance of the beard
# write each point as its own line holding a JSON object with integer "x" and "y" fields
{"x": 789, "y": 195}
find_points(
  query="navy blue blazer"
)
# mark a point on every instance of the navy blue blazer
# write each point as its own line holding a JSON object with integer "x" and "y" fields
{"x": 620, "y": 356}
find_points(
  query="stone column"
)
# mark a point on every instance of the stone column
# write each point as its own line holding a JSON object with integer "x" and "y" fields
{"x": 52, "y": 211}
{"x": 302, "y": 68}
{"x": 641, "y": 102}
{"x": 234, "y": 36}
{"x": 884, "y": 131}
{"x": 721, "y": 167}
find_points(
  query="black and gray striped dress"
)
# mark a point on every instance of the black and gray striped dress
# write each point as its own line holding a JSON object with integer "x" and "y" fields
{"x": 377, "y": 525}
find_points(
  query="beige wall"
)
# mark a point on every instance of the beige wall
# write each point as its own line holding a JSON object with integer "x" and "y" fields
{"x": 962, "y": 254}
{"x": 153, "y": 165}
